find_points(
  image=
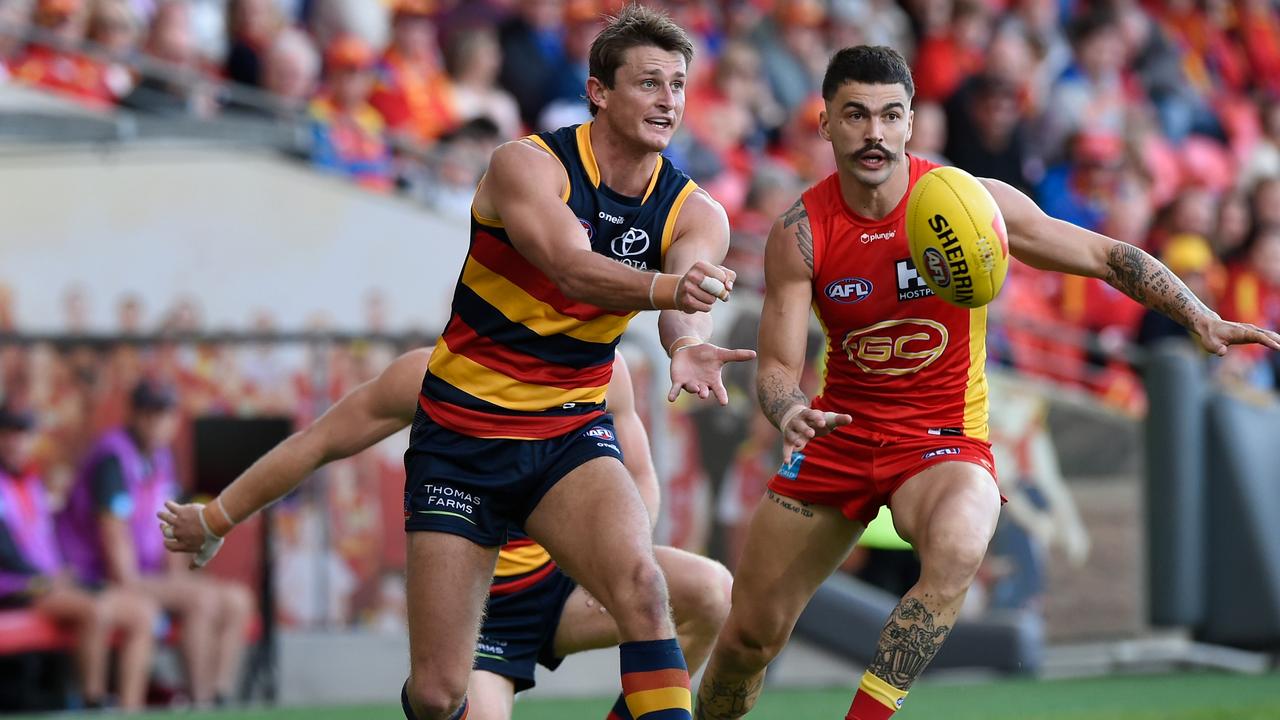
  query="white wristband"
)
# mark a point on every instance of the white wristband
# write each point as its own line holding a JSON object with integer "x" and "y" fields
{"x": 652, "y": 284}
{"x": 672, "y": 349}
{"x": 789, "y": 416}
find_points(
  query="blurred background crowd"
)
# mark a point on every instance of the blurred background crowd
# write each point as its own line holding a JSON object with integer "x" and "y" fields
{"x": 1157, "y": 123}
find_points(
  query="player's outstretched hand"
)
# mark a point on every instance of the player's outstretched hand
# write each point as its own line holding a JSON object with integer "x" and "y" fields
{"x": 803, "y": 424}
{"x": 1218, "y": 334}
{"x": 185, "y": 532}
{"x": 703, "y": 285}
{"x": 695, "y": 369}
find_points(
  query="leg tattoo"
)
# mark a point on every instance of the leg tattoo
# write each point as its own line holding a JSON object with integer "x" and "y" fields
{"x": 719, "y": 700}
{"x": 908, "y": 642}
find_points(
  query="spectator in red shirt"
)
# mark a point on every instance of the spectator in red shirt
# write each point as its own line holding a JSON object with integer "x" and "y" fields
{"x": 1260, "y": 33}
{"x": 59, "y": 70}
{"x": 347, "y": 132}
{"x": 412, "y": 90}
{"x": 952, "y": 49}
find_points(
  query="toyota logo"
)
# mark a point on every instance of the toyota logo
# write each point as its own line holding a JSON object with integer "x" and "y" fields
{"x": 633, "y": 242}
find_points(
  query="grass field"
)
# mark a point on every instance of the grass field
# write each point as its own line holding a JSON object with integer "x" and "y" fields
{"x": 1166, "y": 697}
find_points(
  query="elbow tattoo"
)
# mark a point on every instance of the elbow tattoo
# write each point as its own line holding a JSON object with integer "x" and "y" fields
{"x": 1145, "y": 279}
{"x": 798, "y": 216}
{"x": 778, "y": 394}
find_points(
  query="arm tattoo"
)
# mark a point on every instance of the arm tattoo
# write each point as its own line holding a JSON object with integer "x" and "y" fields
{"x": 908, "y": 642}
{"x": 1143, "y": 278}
{"x": 778, "y": 394}
{"x": 796, "y": 215}
{"x": 722, "y": 700}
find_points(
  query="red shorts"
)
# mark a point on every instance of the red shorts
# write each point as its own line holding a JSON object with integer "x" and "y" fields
{"x": 858, "y": 474}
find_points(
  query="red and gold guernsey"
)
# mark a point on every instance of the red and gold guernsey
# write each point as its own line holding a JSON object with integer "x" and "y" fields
{"x": 900, "y": 360}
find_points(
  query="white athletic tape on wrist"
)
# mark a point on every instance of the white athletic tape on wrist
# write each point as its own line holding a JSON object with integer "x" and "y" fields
{"x": 789, "y": 416}
{"x": 653, "y": 284}
{"x": 212, "y": 543}
{"x": 713, "y": 286}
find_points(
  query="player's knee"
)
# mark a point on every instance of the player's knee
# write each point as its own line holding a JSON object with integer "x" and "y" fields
{"x": 748, "y": 648}
{"x": 953, "y": 561}
{"x": 436, "y": 697}
{"x": 711, "y": 597}
{"x": 641, "y": 588}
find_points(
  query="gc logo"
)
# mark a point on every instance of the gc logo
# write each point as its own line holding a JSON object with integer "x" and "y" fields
{"x": 896, "y": 347}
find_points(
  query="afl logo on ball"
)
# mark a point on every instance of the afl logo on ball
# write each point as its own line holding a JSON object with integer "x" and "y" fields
{"x": 936, "y": 266}
{"x": 849, "y": 290}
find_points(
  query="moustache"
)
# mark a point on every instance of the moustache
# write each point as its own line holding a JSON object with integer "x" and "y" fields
{"x": 888, "y": 156}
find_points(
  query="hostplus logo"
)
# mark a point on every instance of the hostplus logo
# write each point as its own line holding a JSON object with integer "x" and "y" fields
{"x": 910, "y": 285}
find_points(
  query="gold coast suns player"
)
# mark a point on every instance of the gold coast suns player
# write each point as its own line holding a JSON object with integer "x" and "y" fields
{"x": 572, "y": 232}
{"x": 902, "y": 418}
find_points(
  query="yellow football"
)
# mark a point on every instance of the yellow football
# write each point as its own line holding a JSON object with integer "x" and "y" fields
{"x": 957, "y": 237}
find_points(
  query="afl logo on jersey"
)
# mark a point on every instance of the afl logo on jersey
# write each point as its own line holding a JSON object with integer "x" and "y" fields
{"x": 633, "y": 242}
{"x": 849, "y": 290}
{"x": 591, "y": 232}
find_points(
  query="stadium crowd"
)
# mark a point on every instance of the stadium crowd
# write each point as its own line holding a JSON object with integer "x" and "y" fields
{"x": 1157, "y": 123}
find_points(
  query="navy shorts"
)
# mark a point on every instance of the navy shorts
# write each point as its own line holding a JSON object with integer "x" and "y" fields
{"x": 479, "y": 487}
{"x": 519, "y": 630}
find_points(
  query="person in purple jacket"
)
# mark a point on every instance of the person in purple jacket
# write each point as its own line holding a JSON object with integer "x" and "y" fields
{"x": 108, "y": 534}
{"x": 32, "y": 574}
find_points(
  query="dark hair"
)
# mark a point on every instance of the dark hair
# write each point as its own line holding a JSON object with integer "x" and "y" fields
{"x": 635, "y": 26}
{"x": 871, "y": 64}
{"x": 1086, "y": 26}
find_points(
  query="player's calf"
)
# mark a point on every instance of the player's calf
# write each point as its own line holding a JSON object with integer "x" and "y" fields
{"x": 735, "y": 677}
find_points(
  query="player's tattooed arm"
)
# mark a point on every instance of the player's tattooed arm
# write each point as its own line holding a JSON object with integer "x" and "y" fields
{"x": 778, "y": 393}
{"x": 1145, "y": 279}
{"x": 798, "y": 217}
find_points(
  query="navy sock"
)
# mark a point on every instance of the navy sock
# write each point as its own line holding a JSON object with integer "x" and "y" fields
{"x": 404, "y": 702}
{"x": 620, "y": 710}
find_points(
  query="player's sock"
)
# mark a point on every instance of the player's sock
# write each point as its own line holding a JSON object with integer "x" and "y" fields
{"x": 620, "y": 711}
{"x": 875, "y": 699}
{"x": 461, "y": 714}
{"x": 655, "y": 680}
{"x": 404, "y": 702}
